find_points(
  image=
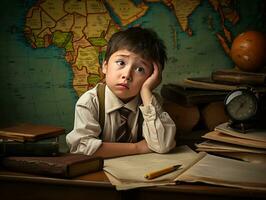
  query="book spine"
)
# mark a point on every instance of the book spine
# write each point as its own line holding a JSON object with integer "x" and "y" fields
{"x": 239, "y": 77}
{"x": 13, "y": 148}
{"x": 35, "y": 167}
{"x": 189, "y": 97}
{"x": 61, "y": 166}
{"x": 208, "y": 84}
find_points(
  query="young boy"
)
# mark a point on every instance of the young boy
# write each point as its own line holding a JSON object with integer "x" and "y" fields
{"x": 133, "y": 68}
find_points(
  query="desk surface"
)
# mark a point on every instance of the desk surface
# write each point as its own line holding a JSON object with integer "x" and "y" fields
{"x": 15, "y": 185}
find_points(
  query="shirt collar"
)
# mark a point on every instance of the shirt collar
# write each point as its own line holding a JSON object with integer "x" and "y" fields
{"x": 113, "y": 102}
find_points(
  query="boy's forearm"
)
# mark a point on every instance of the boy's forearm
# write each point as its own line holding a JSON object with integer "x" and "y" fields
{"x": 150, "y": 84}
{"x": 146, "y": 96}
{"x": 109, "y": 149}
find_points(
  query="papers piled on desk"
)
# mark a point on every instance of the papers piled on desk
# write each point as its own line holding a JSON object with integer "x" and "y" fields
{"x": 225, "y": 141}
{"x": 128, "y": 172}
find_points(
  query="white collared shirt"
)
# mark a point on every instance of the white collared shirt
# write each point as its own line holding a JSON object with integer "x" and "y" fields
{"x": 158, "y": 128}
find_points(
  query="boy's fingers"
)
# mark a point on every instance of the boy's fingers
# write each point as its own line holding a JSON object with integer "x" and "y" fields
{"x": 158, "y": 69}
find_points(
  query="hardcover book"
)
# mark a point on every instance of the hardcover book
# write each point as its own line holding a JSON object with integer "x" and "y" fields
{"x": 63, "y": 166}
{"x": 189, "y": 96}
{"x": 38, "y": 148}
{"x": 207, "y": 83}
{"x": 30, "y": 132}
{"x": 239, "y": 77}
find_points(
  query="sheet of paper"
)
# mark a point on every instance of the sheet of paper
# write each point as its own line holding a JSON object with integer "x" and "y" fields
{"x": 217, "y": 136}
{"x": 226, "y": 147}
{"x": 228, "y": 172}
{"x": 245, "y": 156}
{"x": 257, "y": 135}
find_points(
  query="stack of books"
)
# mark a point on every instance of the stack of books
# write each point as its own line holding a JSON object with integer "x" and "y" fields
{"x": 209, "y": 93}
{"x": 202, "y": 90}
{"x": 225, "y": 141}
{"x": 64, "y": 165}
{"x": 28, "y": 139}
{"x": 227, "y": 80}
{"x": 33, "y": 148}
{"x": 189, "y": 95}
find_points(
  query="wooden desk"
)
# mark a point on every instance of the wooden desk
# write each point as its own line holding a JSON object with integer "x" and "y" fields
{"x": 97, "y": 186}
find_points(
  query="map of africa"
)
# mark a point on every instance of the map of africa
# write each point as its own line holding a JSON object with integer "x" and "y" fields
{"x": 51, "y": 50}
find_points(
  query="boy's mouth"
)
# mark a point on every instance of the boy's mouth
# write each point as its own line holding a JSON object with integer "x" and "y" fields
{"x": 123, "y": 85}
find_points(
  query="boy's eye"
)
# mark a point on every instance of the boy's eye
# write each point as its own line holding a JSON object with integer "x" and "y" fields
{"x": 140, "y": 69}
{"x": 120, "y": 62}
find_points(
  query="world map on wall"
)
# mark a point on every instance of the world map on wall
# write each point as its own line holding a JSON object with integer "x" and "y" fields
{"x": 51, "y": 50}
{"x": 82, "y": 29}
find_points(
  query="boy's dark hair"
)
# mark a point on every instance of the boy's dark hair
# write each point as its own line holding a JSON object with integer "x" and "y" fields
{"x": 141, "y": 41}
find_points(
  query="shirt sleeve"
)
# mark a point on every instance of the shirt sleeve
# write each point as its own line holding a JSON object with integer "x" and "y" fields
{"x": 158, "y": 128}
{"x": 83, "y": 139}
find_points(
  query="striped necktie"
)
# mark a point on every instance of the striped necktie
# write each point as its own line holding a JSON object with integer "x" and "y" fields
{"x": 123, "y": 133}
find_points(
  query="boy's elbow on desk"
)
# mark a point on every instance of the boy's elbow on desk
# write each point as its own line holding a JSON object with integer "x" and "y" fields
{"x": 163, "y": 148}
{"x": 162, "y": 143}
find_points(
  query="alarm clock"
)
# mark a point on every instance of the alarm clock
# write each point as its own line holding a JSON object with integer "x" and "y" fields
{"x": 246, "y": 108}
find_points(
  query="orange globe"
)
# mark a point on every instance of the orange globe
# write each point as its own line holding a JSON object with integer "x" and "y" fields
{"x": 248, "y": 51}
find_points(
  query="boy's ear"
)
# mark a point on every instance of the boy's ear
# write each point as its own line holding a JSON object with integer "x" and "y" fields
{"x": 104, "y": 67}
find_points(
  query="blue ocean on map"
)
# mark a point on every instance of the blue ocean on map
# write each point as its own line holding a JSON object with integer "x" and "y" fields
{"x": 37, "y": 83}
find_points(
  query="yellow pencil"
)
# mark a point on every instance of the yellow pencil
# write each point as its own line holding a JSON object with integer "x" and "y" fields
{"x": 161, "y": 172}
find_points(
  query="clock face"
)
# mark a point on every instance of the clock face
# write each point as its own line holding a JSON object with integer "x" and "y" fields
{"x": 241, "y": 105}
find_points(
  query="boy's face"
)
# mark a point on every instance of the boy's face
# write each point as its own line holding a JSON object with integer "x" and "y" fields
{"x": 125, "y": 73}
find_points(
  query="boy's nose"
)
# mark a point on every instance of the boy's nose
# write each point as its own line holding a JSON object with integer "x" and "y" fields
{"x": 127, "y": 74}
